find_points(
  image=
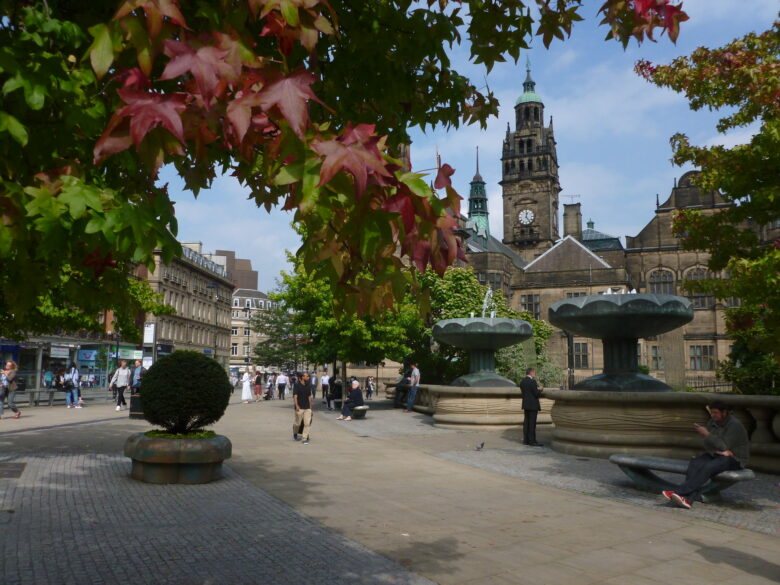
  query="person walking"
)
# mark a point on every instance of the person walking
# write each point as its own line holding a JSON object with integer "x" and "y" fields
{"x": 72, "y": 384}
{"x": 325, "y": 381}
{"x": 414, "y": 384}
{"x": 530, "y": 392}
{"x": 246, "y": 387}
{"x": 369, "y": 387}
{"x": 258, "y": 385}
{"x": 121, "y": 380}
{"x": 281, "y": 385}
{"x": 726, "y": 446}
{"x": 8, "y": 387}
{"x": 302, "y": 401}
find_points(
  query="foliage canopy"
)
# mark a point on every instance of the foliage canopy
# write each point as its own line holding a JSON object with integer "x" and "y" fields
{"x": 306, "y": 102}
{"x": 743, "y": 239}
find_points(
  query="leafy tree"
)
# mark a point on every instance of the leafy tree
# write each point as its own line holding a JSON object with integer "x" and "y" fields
{"x": 743, "y": 78}
{"x": 97, "y": 96}
{"x": 330, "y": 336}
{"x": 750, "y": 370}
{"x": 284, "y": 344}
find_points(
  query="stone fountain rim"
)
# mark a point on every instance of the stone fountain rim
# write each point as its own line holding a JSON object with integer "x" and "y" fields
{"x": 702, "y": 397}
{"x": 465, "y": 322}
{"x": 623, "y": 300}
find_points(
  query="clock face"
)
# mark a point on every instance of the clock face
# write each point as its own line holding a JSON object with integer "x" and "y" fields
{"x": 526, "y": 216}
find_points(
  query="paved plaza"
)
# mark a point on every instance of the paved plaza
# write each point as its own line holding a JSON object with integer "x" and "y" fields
{"x": 390, "y": 499}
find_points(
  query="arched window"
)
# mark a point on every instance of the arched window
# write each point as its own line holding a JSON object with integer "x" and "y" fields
{"x": 536, "y": 113}
{"x": 522, "y": 166}
{"x": 530, "y": 165}
{"x": 529, "y": 145}
{"x": 506, "y": 167}
{"x": 661, "y": 282}
{"x": 528, "y": 113}
{"x": 520, "y": 146}
{"x": 700, "y": 300}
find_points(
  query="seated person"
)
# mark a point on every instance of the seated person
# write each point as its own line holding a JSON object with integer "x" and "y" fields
{"x": 727, "y": 448}
{"x": 354, "y": 399}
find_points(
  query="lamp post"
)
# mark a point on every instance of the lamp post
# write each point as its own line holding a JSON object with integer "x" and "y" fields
{"x": 213, "y": 286}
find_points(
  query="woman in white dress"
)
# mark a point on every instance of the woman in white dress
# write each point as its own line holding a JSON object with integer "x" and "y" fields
{"x": 246, "y": 387}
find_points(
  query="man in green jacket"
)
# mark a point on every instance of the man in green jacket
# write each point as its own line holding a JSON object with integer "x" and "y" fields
{"x": 727, "y": 448}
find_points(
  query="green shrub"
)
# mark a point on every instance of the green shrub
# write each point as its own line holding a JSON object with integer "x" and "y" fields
{"x": 184, "y": 392}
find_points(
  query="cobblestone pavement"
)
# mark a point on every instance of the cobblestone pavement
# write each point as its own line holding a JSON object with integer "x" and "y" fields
{"x": 390, "y": 499}
{"x": 79, "y": 519}
{"x": 754, "y": 505}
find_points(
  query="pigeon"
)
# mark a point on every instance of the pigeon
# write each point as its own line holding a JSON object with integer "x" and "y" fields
{"x": 479, "y": 447}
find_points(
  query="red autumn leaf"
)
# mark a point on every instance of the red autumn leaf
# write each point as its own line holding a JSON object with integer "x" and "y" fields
{"x": 400, "y": 203}
{"x": 359, "y": 156}
{"x": 290, "y": 95}
{"x": 239, "y": 113}
{"x": 149, "y": 110}
{"x": 443, "y": 177}
{"x": 98, "y": 263}
{"x": 115, "y": 138}
{"x": 207, "y": 65}
{"x": 133, "y": 79}
{"x": 155, "y": 11}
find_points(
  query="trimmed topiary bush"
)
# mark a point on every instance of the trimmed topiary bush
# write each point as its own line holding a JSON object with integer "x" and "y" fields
{"x": 184, "y": 392}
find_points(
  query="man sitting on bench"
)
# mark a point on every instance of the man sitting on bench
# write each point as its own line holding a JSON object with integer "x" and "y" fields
{"x": 727, "y": 448}
{"x": 354, "y": 399}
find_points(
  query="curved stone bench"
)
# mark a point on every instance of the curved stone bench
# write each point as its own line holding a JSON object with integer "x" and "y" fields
{"x": 359, "y": 412}
{"x": 640, "y": 470}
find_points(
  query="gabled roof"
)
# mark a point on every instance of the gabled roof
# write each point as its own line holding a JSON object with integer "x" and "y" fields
{"x": 596, "y": 240}
{"x": 566, "y": 254}
{"x": 248, "y": 293}
{"x": 478, "y": 241}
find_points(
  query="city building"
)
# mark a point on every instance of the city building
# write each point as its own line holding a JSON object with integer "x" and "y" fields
{"x": 199, "y": 291}
{"x": 245, "y": 304}
{"x": 535, "y": 265}
{"x": 239, "y": 270}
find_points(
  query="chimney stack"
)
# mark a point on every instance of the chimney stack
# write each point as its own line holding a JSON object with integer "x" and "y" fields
{"x": 572, "y": 220}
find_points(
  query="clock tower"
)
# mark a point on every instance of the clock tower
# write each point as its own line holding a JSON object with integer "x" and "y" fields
{"x": 529, "y": 180}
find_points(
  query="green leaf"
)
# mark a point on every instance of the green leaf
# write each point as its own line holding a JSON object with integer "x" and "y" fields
{"x": 101, "y": 52}
{"x": 11, "y": 125}
{"x": 35, "y": 96}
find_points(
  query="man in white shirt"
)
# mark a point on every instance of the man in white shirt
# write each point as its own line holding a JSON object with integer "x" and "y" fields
{"x": 325, "y": 384}
{"x": 281, "y": 385}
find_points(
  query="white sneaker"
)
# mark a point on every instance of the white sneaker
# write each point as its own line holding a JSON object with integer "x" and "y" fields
{"x": 118, "y": 408}
{"x": 78, "y": 406}
{"x": 70, "y": 406}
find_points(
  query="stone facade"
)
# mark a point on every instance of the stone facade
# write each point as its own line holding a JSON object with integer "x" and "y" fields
{"x": 199, "y": 291}
{"x": 535, "y": 267}
{"x": 245, "y": 304}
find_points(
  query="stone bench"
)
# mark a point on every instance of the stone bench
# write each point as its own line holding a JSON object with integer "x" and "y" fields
{"x": 640, "y": 470}
{"x": 359, "y": 412}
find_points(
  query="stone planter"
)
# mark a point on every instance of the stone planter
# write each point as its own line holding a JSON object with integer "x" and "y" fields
{"x": 190, "y": 461}
{"x": 598, "y": 424}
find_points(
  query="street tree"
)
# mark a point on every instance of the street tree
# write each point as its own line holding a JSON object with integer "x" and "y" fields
{"x": 284, "y": 345}
{"x": 742, "y": 79}
{"x": 306, "y": 102}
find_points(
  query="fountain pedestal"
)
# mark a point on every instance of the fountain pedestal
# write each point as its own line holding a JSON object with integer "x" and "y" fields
{"x": 619, "y": 321}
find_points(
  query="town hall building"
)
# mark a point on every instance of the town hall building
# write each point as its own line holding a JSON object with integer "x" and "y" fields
{"x": 538, "y": 261}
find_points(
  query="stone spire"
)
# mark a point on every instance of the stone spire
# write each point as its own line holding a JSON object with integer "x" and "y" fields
{"x": 478, "y": 210}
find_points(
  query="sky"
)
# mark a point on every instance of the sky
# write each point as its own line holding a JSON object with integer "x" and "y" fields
{"x": 612, "y": 130}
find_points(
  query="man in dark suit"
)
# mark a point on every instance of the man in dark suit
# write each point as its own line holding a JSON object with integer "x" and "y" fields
{"x": 531, "y": 393}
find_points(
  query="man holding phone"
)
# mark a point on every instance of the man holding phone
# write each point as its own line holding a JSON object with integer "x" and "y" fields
{"x": 727, "y": 448}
